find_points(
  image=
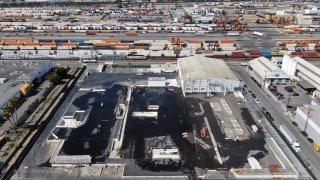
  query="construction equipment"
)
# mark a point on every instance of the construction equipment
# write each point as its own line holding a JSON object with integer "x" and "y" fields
{"x": 274, "y": 20}
{"x": 177, "y": 42}
{"x": 317, "y": 147}
{"x": 204, "y": 132}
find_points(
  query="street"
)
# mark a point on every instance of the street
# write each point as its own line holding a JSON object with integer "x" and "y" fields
{"x": 310, "y": 156}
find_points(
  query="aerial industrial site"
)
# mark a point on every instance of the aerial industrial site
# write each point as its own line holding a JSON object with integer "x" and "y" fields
{"x": 159, "y": 89}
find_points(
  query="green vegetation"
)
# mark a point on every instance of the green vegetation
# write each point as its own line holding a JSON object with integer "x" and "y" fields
{"x": 55, "y": 79}
{"x": 10, "y": 111}
{"x": 62, "y": 72}
{"x": 59, "y": 74}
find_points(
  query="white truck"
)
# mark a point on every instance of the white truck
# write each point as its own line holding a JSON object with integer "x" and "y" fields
{"x": 200, "y": 33}
{"x": 257, "y": 33}
{"x": 233, "y": 33}
{"x": 290, "y": 137}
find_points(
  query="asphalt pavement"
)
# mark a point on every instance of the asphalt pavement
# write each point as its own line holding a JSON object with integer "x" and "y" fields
{"x": 310, "y": 156}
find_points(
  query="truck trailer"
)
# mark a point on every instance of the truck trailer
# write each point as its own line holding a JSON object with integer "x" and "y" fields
{"x": 290, "y": 137}
{"x": 257, "y": 33}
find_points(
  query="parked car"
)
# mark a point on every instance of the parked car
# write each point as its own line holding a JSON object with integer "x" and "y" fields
{"x": 286, "y": 113}
{"x": 257, "y": 100}
{"x": 295, "y": 94}
{"x": 253, "y": 95}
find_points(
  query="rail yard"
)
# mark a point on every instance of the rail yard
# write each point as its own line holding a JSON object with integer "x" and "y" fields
{"x": 159, "y": 89}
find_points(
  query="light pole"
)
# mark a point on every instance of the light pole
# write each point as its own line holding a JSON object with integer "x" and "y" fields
{"x": 307, "y": 120}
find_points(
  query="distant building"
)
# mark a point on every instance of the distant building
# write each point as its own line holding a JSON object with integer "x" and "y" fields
{"x": 264, "y": 72}
{"x": 200, "y": 74}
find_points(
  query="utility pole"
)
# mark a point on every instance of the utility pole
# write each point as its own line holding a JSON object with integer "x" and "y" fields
{"x": 289, "y": 98}
{"x": 307, "y": 120}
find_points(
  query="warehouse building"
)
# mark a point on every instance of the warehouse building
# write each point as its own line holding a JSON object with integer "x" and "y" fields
{"x": 308, "y": 120}
{"x": 200, "y": 74}
{"x": 14, "y": 75}
{"x": 307, "y": 74}
{"x": 264, "y": 72}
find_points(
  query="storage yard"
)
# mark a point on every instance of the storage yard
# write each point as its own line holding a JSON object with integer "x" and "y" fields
{"x": 183, "y": 90}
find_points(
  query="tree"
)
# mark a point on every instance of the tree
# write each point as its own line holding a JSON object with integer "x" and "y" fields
{"x": 62, "y": 72}
{"x": 6, "y": 115}
{"x": 55, "y": 79}
{"x": 10, "y": 111}
{"x": 13, "y": 104}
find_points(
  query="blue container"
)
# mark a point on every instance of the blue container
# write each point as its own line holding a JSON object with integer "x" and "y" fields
{"x": 44, "y": 40}
{"x": 127, "y": 41}
{"x": 77, "y": 41}
{"x": 266, "y": 53}
{"x": 85, "y": 44}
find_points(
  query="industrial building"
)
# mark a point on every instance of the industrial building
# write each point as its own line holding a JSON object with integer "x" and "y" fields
{"x": 306, "y": 74}
{"x": 308, "y": 120}
{"x": 265, "y": 72}
{"x": 200, "y": 74}
{"x": 14, "y": 75}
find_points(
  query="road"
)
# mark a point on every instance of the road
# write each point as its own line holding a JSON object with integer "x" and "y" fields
{"x": 151, "y": 36}
{"x": 311, "y": 157}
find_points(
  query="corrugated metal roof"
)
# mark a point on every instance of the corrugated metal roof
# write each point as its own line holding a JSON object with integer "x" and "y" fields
{"x": 201, "y": 67}
{"x": 263, "y": 66}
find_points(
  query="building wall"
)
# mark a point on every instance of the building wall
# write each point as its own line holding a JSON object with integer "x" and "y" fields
{"x": 211, "y": 85}
{"x": 312, "y": 129}
{"x": 252, "y": 73}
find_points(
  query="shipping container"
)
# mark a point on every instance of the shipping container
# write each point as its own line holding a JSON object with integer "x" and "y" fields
{"x": 266, "y": 53}
{"x": 196, "y": 41}
{"x": 142, "y": 47}
{"x": 127, "y": 41}
{"x": 102, "y": 44}
{"x": 226, "y": 41}
{"x": 131, "y": 33}
{"x": 69, "y": 44}
{"x": 295, "y": 53}
{"x": 255, "y": 54}
{"x": 277, "y": 53}
{"x": 237, "y": 54}
{"x": 310, "y": 54}
{"x": 86, "y": 44}
{"x": 111, "y": 41}
{"x": 77, "y": 41}
{"x": 25, "y": 40}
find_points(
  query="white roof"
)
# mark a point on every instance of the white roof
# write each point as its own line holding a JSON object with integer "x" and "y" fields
{"x": 308, "y": 71}
{"x": 201, "y": 67}
{"x": 314, "y": 113}
{"x": 265, "y": 68}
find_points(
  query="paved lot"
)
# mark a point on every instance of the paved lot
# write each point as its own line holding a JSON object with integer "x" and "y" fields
{"x": 310, "y": 156}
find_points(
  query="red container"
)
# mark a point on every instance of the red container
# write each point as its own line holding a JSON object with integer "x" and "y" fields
{"x": 219, "y": 56}
{"x": 255, "y": 54}
{"x": 237, "y": 54}
{"x": 296, "y": 53}
{"x": 310, "y": 55}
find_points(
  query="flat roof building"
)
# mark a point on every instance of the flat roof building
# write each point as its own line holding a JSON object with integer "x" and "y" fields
{"x": 14, "y": 73}
{"x": 200, "y": 74}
